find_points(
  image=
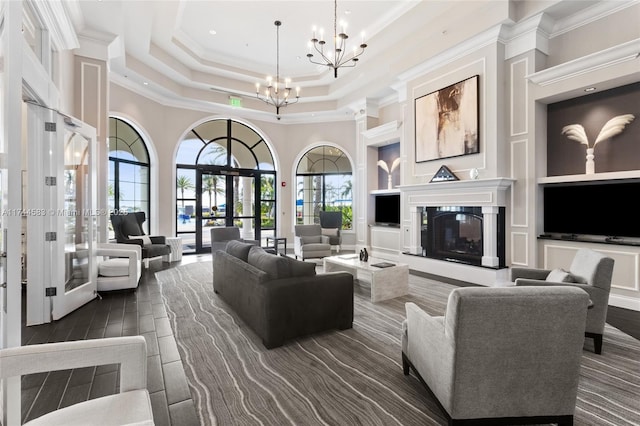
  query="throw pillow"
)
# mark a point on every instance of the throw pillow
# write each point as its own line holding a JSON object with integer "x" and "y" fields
{"x": 275, "y": 266}
{"x": 560, "y": 276}
{"x": 145, "y": 239}
{"x": 330, "y": 232}
{"x": 239, "y": 249}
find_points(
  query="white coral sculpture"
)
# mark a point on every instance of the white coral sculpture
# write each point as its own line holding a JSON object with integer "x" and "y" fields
{"x": 611, "y": 128}
{"x": 383, "y": 165}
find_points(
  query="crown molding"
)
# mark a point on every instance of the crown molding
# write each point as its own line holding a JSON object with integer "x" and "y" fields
{"x": 624, "y": 52}
{"x": 594, "y": 13}
{"x": 56, "y": 20}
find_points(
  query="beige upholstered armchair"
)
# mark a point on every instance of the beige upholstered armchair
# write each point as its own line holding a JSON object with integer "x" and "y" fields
{"x": 308, "y": 242}
{"x": 131, "y": 405}
{"x": 506, "y": 355}
{"x": 591, "y": 271}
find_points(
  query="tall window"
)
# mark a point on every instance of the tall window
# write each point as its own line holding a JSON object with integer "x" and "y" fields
{"x": 323, "y": 182}
{"x": 128, "y": 188}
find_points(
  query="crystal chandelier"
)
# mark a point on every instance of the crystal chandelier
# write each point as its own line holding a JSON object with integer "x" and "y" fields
{"x": 338, "y": 57}
{"x": 274, "y": 93}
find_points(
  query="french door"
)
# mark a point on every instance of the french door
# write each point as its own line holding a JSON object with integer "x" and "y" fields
{"x": 60, "y": 213}
{"x": 242, "y": 198}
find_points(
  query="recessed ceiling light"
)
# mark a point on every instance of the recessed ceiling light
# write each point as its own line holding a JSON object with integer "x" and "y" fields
{"x": 589, "y": 89}
{"x": 145, "y": 83}
{"x": 212, "y": 32}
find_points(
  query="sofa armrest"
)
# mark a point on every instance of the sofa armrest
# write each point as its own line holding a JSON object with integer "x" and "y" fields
{"x": 530, "y": 273}
{"x": 119, "y": 250}
{"x": 302, "y": 305}
{"x": 431, "y": 350}
{"x": 129, "y": 351}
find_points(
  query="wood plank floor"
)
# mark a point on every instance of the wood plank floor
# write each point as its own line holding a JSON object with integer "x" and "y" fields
{"x": 143, "y": 313}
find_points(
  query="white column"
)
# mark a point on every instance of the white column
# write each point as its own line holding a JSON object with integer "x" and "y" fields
{"x": 247, "y": 199}
{"x": 415, "y": 213}
{"x": 490, "y": 238}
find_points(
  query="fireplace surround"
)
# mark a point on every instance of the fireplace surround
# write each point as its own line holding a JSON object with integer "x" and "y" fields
{"x": 485, "y": 200}
{"x": 455, "y": 234}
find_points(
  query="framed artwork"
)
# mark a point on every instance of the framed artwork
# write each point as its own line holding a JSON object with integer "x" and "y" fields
{"x": 447, "y": 122}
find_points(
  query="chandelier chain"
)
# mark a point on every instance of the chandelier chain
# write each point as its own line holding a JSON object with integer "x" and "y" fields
{"x": 337, "y": 59}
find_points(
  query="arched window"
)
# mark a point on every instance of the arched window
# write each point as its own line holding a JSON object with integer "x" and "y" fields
{"x": 323, "y": 182}
{"x": 225, "y": 176}
{"x": 129, "y": 170}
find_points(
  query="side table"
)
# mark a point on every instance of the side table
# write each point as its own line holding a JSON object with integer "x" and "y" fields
{"x": 176, "y": 250}
{"x": 276, "y": 241}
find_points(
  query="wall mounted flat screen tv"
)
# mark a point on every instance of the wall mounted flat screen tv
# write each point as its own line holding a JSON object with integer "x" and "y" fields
{"x": 602, "y": 209}
{"x": 387, "y": 209}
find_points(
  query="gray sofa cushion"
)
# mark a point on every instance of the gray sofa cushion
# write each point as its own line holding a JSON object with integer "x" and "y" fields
{"x": 239, "y": 249}
{"x": 275, "y": 266}
{"x": 278, "y": 267}
{"x": 299, "y": 268}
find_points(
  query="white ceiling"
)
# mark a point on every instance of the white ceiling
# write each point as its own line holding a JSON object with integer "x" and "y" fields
{"x": 167, "y": 45}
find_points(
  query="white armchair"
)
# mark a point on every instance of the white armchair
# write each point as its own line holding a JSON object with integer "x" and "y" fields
{"x": 131, "y": 405}
{"x": 119, "y": 266}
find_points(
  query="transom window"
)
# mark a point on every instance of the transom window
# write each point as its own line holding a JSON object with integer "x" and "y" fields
{"x": 324, "y": 182}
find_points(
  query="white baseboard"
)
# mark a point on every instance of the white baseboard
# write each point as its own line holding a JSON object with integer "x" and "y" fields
{"x": 624, "y": 302}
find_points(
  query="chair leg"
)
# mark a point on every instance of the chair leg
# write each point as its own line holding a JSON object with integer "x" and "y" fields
{"x": 597, "y": 342}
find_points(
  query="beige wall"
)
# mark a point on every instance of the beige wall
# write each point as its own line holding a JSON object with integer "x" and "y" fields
{"x": 164, "y": 126}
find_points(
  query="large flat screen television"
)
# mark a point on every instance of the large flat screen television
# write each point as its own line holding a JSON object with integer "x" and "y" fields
{"x": 387, "y": 209}
{"x": 601, "y": 209}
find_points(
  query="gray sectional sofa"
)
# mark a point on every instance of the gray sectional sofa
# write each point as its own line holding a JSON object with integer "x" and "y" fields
{"x": 281, "y": 298}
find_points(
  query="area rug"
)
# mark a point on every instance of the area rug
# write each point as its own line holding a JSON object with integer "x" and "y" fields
{"x": 351, "y": 377}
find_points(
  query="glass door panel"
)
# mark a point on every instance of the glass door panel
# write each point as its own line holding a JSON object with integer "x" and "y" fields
{"x": 244, "y": 205}
{"x": 212, "y": 207}
{"x": 76, "y": 221}
{"x": 186, "y": 208}
{"x": 76, "y": 213}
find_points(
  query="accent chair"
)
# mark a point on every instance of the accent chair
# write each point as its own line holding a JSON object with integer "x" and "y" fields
{"x": 128, "y": 230}
{"x": 500, "y": 355}
{"x": 308, "y": 242}
{"x": 590, "y": 271}
{"x": 119, "y": 266}
{"x": 132, "y": 405}
{"x": 331, "y": 224}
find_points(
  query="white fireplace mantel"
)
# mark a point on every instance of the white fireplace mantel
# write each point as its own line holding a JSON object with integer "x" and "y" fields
{"x": 463, "y": 193}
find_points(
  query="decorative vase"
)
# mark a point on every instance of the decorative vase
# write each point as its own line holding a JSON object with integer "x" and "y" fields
{"x": 590, "y": 166}
{"x": 389, "y": 182}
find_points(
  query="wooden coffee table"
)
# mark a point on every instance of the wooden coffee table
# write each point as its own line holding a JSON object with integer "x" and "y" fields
{"x": 386, "y": 282}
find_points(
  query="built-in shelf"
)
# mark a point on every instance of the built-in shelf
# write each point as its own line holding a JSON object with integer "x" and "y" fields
{"x": 384, "y": 191}
{"x": 634, "y": 242}
{"x": 630, "y": 174}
